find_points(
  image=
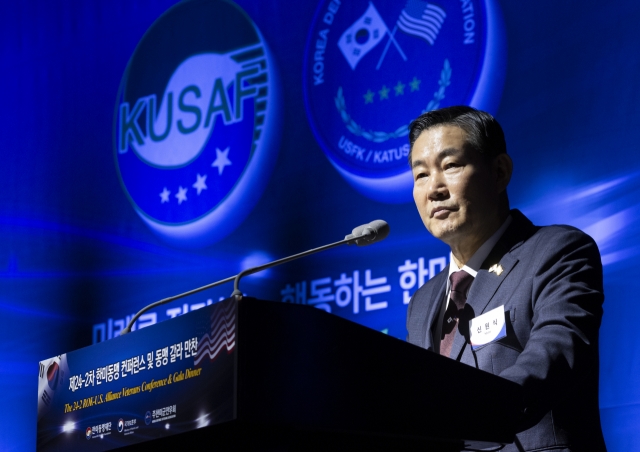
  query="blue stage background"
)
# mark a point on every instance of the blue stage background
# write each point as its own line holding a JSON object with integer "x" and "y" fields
{"x": 76, "y": 259}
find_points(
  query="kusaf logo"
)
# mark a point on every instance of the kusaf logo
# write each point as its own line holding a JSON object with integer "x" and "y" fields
{"x": 194, "y": 128}
{"x": 372, "y": 66}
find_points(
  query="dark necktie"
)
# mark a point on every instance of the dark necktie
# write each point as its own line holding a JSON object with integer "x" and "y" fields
{"x": 460, "y": 283}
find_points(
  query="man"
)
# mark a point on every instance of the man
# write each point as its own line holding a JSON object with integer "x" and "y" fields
{"x": 548, "y": 279}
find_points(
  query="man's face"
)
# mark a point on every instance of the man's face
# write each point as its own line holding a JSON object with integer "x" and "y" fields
{"x": 454, "y": 187}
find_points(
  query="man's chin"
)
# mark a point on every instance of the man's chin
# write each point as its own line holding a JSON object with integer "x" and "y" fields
{"x": 446, "y": 232}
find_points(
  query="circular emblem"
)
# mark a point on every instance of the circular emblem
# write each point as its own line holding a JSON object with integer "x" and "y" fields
{"x": 87, "y": 433}
{"x": 194, "y": 124}
{"x": 120, "y": 425}
{"x": 147, "y": 417}
{"x": 371, "y": 67}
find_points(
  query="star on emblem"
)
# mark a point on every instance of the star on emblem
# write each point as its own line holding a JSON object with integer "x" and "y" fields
{"x": 164, "y": 196}
{"x": 181, "y": 195}
{"x": 415, "y": 84}
{"x": 384, "y": 92}
{"x": 399, "y": 88}
{"x": 368, "y": 97}
{"x": 497, "y": 269}
{"x": 221, "y": 160}
{"x": 200, "y": 183}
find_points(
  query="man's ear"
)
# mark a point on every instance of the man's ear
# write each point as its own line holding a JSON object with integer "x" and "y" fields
{"x": 502, "y": 169}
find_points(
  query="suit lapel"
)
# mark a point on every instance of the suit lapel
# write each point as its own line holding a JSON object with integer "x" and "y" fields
{"x": 425, "y": 306}
{"x": 434, "y": 325}
{"x": 487, "y": 283}
{"x": 436, "y": 299}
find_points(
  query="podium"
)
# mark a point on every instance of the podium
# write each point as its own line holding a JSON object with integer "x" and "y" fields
{"x": 260, "y": 375}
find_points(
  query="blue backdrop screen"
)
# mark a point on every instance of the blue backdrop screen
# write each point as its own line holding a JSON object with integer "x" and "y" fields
{"x": 151, "y": 147}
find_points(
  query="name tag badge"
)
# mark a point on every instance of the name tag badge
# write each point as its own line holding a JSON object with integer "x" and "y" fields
{"x": 487, "y": 328}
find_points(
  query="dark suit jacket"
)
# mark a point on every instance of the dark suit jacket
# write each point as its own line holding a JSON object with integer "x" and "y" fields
{"x": 551, "y": 289}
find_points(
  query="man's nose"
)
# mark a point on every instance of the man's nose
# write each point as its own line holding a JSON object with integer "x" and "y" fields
{"x": 437, "y": 188}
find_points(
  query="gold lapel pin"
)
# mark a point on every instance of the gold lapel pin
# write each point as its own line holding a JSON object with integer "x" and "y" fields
{"x": 497, "y": 269}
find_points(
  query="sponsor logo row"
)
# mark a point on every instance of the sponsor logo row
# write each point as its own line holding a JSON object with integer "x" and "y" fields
{"x": 128, "y": 426}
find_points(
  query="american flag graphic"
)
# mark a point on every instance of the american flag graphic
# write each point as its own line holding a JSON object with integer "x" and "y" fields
{"x": 222, "y": 335}
{"x": 422, "y": 19}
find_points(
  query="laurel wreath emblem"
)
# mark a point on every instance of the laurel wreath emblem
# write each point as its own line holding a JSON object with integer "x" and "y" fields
{"x": 379, "y": 137}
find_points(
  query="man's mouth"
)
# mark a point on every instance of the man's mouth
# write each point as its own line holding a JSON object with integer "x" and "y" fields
{"x": 440, "y": 212}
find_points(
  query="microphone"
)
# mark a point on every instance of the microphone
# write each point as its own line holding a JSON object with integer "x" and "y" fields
{"x": 363, "y": 235}
{"x": 369, "y": 233}
{"x": 133, "y": 320}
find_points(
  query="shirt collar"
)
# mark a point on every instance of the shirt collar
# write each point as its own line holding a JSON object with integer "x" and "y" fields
{"x": 474, "y": 264}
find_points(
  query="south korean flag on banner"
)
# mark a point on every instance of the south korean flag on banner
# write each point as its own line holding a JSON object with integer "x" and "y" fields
{"x": 362, "y": 36}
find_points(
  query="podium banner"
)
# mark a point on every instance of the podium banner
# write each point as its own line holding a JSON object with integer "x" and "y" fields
{"x": 170, "y": 378}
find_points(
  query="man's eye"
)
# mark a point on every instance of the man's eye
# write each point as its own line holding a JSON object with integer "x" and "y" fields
{"x": 452, "y": 165}
{"x": 421, "y": 175}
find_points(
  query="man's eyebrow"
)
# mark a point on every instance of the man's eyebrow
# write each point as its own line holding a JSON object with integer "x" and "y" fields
{"x": 442, "y": 154}
{"x": 449, "y": 152}
{"x": 416, "y": 163}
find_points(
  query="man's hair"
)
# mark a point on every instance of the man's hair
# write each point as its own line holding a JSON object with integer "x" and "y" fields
{"x": 484, "y": 134}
